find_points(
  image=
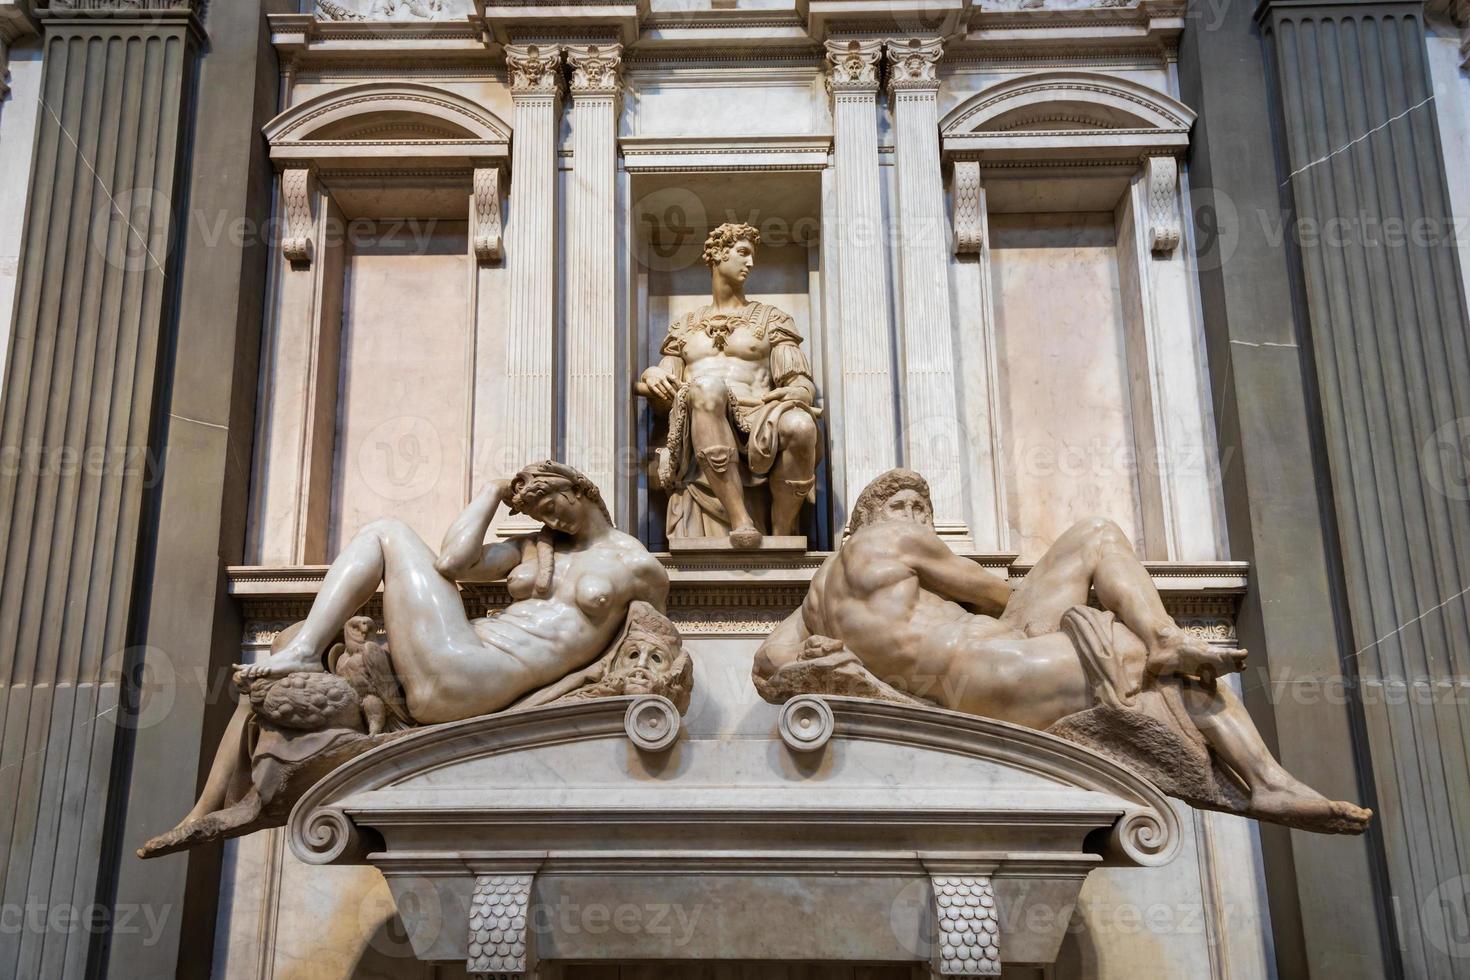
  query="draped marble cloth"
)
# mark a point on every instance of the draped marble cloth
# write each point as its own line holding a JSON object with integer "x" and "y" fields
{"x": 694, "y": 510}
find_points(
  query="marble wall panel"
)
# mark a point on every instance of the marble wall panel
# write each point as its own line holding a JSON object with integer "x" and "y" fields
{"x": 407, "y": 352}
{"x": 1067, "y": 426}
{"x": 726, "y": 102}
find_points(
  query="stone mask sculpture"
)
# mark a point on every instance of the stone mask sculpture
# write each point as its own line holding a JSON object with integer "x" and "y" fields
{"x": 894, "y": 614}
{"x": 586, "y": 621}
{"x": 738, "y": 392}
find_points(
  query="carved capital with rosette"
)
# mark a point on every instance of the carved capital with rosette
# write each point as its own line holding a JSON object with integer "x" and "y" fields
{"x": 535, "y": 69}
{"x": 914, "y": 64}
{"x": 852, "y": 65}
{"x": 595, "y": 68}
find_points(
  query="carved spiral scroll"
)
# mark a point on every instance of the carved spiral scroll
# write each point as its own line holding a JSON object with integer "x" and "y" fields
{"x": 806, "y": 723}
{"x": 1146, "y": 837}
{"x": 326, "y": 836}
{"x": 652, "y": 723}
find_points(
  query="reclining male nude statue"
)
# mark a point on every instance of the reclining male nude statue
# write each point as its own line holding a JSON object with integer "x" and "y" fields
{"x": 889, "y": 616}
{"x": 586, "y": 621}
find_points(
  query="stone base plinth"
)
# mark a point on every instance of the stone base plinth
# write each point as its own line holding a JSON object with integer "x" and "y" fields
{"x": 722, "y": 545}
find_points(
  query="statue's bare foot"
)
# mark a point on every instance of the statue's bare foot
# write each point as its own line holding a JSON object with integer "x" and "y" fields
{"x": 290, "y": 660}
{"x": 197, "y": 830}
{"x": 745, "y": 537}
{"x": 1176, "y": 652}
{"x": 1306, "y": 809}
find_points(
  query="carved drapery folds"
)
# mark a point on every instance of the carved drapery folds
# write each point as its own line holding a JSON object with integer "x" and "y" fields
{"x": 969, "y": 208}
{"x": 967, "y": 927}
{"x": 485, "y": 214}
{"x": 297, "y": 244}
{"x": 1162, "y": 175}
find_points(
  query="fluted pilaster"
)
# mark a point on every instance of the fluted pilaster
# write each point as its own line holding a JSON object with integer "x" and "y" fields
{"x": 869, "y": 427}
{"x": 1386, "y": 306}
{"x": 592, "y": 320}
{"x": 933, "y": 438}
{"x": 77, "y": 418}
{"x": 526, "y": 424}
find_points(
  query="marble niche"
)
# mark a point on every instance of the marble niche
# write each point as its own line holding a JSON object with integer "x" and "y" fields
{"x": 491, "y": 213}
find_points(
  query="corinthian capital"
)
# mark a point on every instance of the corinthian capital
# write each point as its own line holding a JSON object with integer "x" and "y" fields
{"x": 852, "y": 66}
{"x": 914, "y": 63}
{"x": 595, "y": 68}
{"x": 534, "y": 68}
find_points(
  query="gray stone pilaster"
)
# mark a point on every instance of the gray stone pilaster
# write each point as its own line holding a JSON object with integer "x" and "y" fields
{"x": 1329, "y": 914}
{"x": 76, "y": 427}
{"x": 208, "y": 403}
{"x": 1364, "y": 170}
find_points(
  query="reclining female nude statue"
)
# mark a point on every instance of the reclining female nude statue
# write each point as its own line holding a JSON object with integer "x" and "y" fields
{"x": 889, "y": 616}
{"x": 585, "y": 621}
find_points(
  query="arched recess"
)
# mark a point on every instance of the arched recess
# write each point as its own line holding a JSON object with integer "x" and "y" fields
{"x": 398, "y": 176}
{"x": 388, "y": 121}
{"x": 1096, "y": 157}
{"x": 1066, "y": 115}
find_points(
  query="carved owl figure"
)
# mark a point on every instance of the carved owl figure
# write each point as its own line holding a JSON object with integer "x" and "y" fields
{"x": 365, "y": 664}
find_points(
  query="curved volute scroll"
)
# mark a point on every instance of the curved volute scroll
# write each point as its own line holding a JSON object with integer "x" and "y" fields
{"x": 321, "y": 831}
{"x": 1146, "y": 834}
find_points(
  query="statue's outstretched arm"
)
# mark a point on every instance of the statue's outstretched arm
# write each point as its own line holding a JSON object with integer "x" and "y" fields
{"x": 941, "y": 570}
{"x": 464, "y": 556}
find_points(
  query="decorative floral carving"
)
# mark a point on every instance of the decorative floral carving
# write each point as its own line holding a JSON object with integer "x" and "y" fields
{"x": 914, "y": 64}
{"x": 852, "y": 65}
{"x": 1162, "y": 175}
{"x": 969, "y": 208}
{"x": 595, "y": 68}
{"x": 342, "y": 10}
{"x": 486, "y": 214}
{"x": 534, "y": 69}
{"x": 296, "y": 187}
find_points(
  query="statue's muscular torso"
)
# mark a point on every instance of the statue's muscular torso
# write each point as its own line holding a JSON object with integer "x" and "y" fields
{"x": 869, "y": 595}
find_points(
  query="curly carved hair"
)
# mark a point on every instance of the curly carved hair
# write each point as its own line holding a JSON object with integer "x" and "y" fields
{"x": 723, "y": 238}
{"x": 540, "y": 479}
{"x": 870, "y": 503}
{"x": 535, "y": 482}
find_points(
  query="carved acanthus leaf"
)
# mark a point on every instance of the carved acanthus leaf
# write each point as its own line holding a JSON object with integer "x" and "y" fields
{"x": 852, "y": 65}
{"x": 296, "y": 192}
{"x": 534, "y": 69}
{"x": 485, "y": 214}
{"x": 1161, "y": 175}
{"x": 595, "y": 68}
{"x": 969, "y": 208}
{"x": 914, "y": 64}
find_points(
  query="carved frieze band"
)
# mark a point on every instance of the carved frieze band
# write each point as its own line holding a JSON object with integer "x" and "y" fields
{"x": 485, "y": 214}
{"x": 499, "y": 940}
{"x": 852, "y": 65}
{"x": 296, "y": 193}
{"x": 969, "y": 208}
{"x": 1161, "y": 173}
{"x": 913, "y": 64}
{"x": 967, "y": 927}
{"x": 103, "y": 6}
{"x": 595, "y": 68}
{"x": 535, "y": 69}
